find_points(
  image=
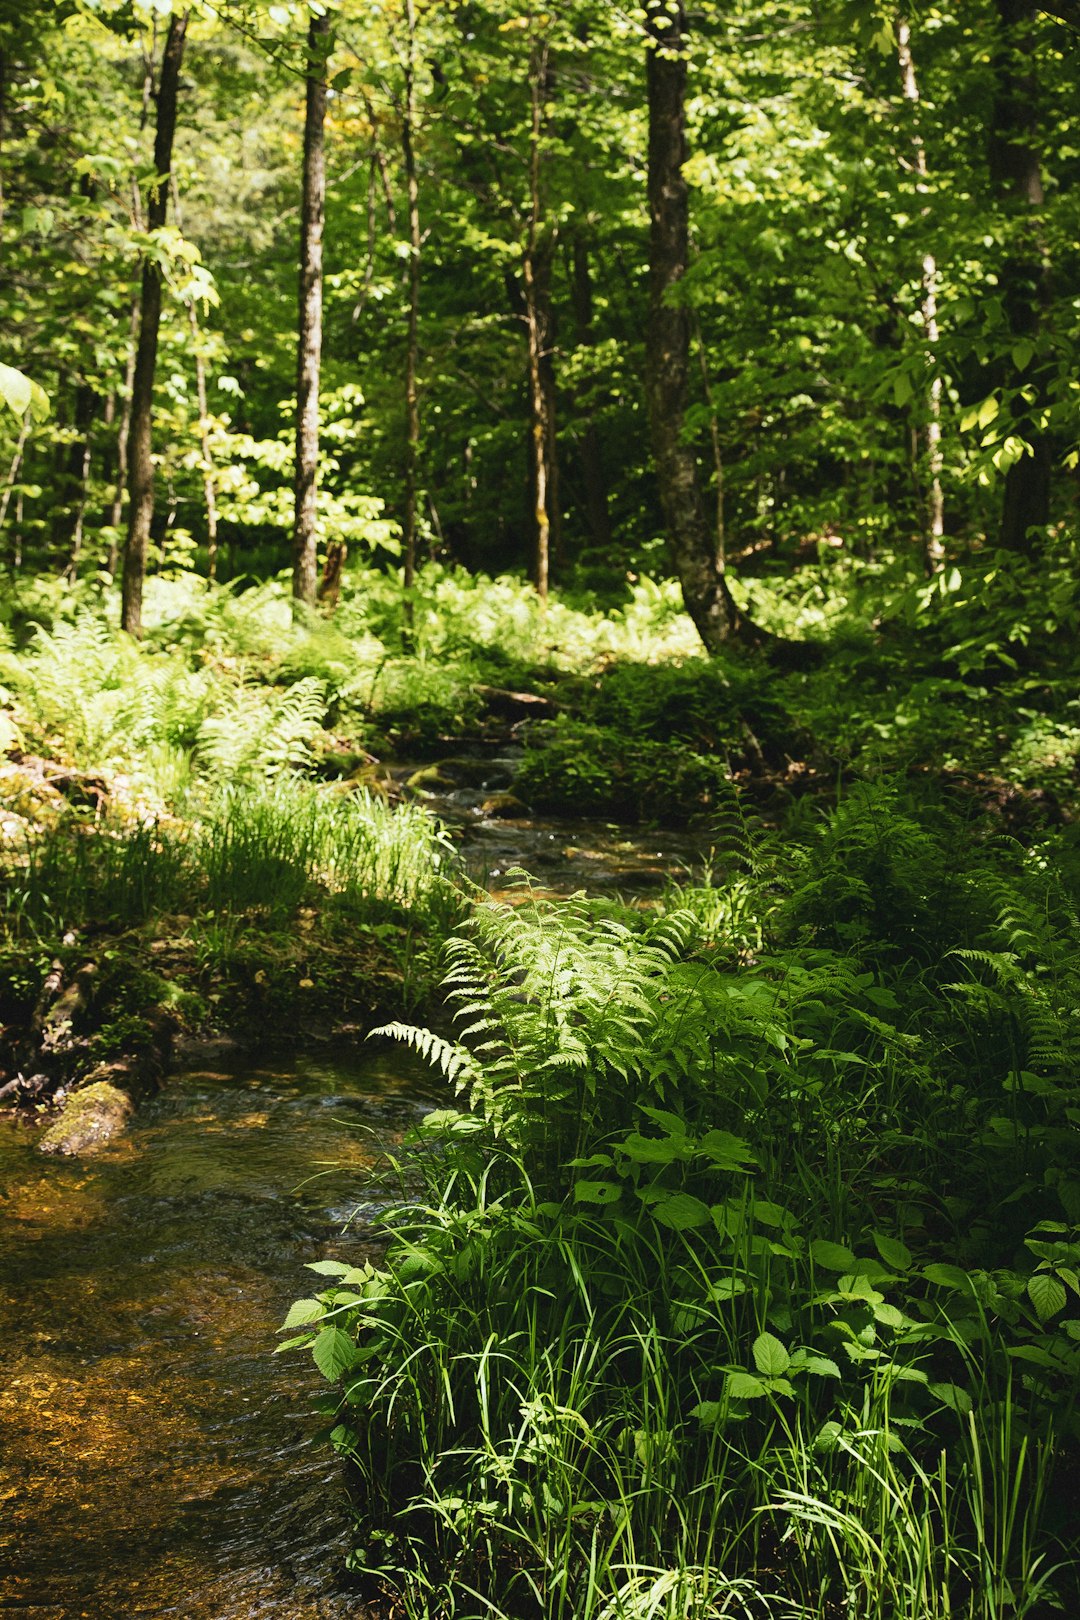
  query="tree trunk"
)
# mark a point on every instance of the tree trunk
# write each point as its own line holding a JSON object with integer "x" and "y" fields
{"x": 140, "y": 443}
{"x": 667, "y": 360}
{"x": 934, "y": 514}
{"x": 12, "y": 479}
{"x": 597, "y": 514}
{"x": 412, "y": 400}
{"x": 309, "y": 346}
{"x": 123, "y": 435}
{"x": 537, "y": 323}
{"x": 70, "y": 511}
{"x": 209, "y": 471}
{"x": 1015, "y": 171}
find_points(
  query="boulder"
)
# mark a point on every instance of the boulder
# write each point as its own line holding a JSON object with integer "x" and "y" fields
{"x": 92, "y": 1116}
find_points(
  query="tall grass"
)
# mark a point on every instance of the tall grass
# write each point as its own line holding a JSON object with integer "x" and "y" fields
{"x": 250, "y": 852}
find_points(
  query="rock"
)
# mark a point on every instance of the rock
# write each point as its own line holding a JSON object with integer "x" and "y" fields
{"x": 430, "y": 779}
{"x": 92, "y": 1116}
{"x": 504, "y": 807}
{"x": 476, "y": 773}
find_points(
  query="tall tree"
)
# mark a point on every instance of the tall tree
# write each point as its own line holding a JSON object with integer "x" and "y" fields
{"x": 309, "y": 337}
{"x": 536, "y": 284}
{"x": 934, "y": 517}
{"x": 667, "y": 361}
{"x": 412, "y": 398}
{"x": 1016, "y": 171}
{"x": 140, "y": 441}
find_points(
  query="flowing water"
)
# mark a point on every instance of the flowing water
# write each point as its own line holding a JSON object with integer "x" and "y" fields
{"x": 154, "y": 1460}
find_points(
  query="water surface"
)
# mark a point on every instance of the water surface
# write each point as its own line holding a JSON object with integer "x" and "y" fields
{"x": 154, "y": 1461}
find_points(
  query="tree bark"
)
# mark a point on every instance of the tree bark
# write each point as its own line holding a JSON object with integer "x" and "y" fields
{"x": 667, "y": 359}
{"x": 1017, "y": 176}
{"x": 412, "y": 398}
{"x": 537, "y": 322}
{"x": 934, "y": 515}
{"x": 309, "y": 344}
{"x": 140, "y": 443}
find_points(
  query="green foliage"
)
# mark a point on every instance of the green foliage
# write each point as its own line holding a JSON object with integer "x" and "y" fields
{"x": 738, "y": 1283}
{"x": 572, "y": 767}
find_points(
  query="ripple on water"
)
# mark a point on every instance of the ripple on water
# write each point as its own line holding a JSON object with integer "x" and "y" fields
{"x": 154, "y": 1459}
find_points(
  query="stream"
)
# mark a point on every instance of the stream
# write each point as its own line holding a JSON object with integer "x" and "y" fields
{"x": 154, "y": 1460}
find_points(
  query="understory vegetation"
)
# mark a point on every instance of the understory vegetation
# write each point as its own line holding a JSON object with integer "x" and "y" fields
{"x": 745, "y": 1280}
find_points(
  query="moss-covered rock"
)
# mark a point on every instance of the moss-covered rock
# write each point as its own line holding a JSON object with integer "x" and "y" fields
{"x": 92, "y": 1116}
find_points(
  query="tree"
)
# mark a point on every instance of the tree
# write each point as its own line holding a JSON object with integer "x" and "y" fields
{"x": 412, "y": 399}
{"x": 934, "y": 524}
{"x": 140, "y": 442}
{"x": 1016, "y": 171}
{"x": 310, "y": 325}
{"x": 692, "y": 542}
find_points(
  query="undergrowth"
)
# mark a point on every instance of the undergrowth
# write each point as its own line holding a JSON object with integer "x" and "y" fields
{"x": 745, "y": 1280}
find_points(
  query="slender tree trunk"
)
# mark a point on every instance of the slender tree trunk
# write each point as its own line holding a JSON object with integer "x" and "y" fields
{"x": 1016, "y": 173}
{"x": 140, "y": 443}
{"x": 533, "y": 278}
{"x": 123, "y": 435}
{"x": 934, "y": 514}
{"x": 594, "y": 481}
{"x": 309, "y": 346}
{"x": 715, "y": 444}
{"x": 70, "y": 511}
{"x": 412, "y": 399}
{"x": 693, "y": 545}
{"x": 209, "y": 471}
{"x": 12, "y": 479}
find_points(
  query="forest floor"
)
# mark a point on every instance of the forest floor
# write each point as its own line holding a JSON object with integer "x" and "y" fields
{"x": 804, "y": 1051}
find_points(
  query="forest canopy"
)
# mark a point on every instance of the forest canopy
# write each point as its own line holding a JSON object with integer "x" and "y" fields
{"x": 877, "y": 293}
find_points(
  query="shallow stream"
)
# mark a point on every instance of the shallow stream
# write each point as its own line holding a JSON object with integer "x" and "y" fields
{"x": 154, "y": 1459}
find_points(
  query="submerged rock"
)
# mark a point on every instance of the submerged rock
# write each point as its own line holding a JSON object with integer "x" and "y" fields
{"x": 504, "y": 806}
{"x": 92, "y": 1116}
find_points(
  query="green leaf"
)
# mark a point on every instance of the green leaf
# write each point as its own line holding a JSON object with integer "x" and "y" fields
{"x": 952, "y": 1396}
{"x": 1047, "y": 1295}
{"x": 21, "y": 394}
{"x": 770, "y": 1356}
{"x": 893, "y": 1252}
{"x": 902, "y": 389}
{"x": 653, "y": 1149}
{"x": 820, "y": 1366}
{"x": 328, "y": 1268}
{"x": 833, "y": 1256}
{"x": 947, "y": 1277}
{"x": 726, "y": 1151}
{"x": 682, "y": 1211}
{"x": 301, "y": 1312}
{"x": 1022, "y": 351}
{"x": 743, "y": 1386}
{"x": 596, "y": 1192}
{"x": 334, "y": 1353}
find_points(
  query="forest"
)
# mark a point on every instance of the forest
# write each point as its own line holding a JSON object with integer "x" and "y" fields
{"x": 540, "y": 809}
